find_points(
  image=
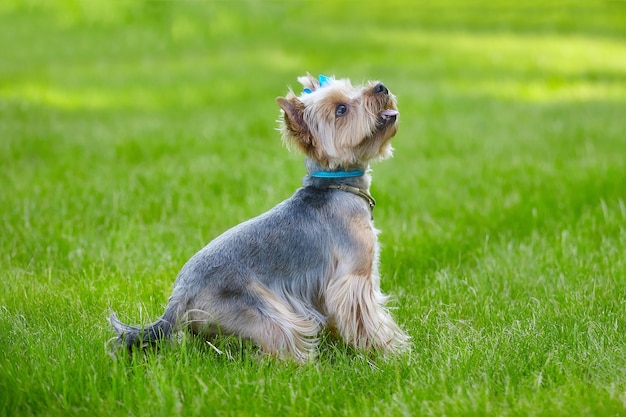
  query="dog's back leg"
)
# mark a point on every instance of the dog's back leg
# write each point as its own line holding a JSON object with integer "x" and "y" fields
{"x": 271, "y": 323}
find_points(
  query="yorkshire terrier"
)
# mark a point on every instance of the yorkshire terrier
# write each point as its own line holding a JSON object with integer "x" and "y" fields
{"x": 311, "y": 262}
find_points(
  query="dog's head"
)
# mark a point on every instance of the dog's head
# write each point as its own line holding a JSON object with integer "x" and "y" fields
{"x": 337, "y": 124}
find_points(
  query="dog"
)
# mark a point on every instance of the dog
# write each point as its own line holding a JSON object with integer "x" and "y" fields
{"x": 311, "y": 262}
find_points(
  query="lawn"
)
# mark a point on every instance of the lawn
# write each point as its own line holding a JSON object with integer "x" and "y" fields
{"x": 132, "y": 134}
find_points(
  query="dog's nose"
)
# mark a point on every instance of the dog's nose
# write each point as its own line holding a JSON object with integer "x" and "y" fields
{"x": 380, "y": 89}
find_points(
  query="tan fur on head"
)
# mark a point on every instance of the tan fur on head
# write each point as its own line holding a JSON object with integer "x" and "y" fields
{"x": 337, "y": 137}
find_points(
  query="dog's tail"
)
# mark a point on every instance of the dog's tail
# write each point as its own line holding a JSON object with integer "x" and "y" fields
{"x": 143, "y": 336}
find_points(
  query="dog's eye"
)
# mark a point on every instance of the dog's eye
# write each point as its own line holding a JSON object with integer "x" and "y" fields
{"x": 341, "y": 110}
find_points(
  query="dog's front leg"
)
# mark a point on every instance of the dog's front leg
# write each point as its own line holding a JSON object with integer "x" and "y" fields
{"x": 356, "y": 309}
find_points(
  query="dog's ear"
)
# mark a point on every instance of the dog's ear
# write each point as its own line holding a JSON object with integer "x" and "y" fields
{"x": 294, "y": 128}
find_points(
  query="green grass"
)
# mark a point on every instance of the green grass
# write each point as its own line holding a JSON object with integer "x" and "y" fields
{"x": 131, "y": 135}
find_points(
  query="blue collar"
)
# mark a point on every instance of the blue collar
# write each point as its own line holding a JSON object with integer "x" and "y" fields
{"x": 338, "y": 174}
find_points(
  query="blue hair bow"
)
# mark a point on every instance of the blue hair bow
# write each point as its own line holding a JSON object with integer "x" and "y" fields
{"x": 323, "y": 81}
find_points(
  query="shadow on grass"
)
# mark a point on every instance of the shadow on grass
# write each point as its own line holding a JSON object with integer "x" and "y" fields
{"x": 188, "y": 349}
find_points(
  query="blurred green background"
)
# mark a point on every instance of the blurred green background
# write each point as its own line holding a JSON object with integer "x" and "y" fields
{"x": 121, "y": 103}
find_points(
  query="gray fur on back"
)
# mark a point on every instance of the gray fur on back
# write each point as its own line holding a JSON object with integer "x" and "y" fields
{"x": 291, "y": 249}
